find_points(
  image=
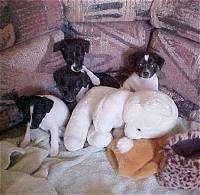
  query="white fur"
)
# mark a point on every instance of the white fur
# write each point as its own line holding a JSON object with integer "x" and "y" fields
{"x": 146, "y": 57}
{"x": 95, "y": 80}
{"x": 53, "y": 121}
{"x": 124, "y": 144}
{"x": 136, "y": 83}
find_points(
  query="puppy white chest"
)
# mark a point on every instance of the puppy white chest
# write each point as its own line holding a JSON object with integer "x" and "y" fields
{"x": 136, "y": 83}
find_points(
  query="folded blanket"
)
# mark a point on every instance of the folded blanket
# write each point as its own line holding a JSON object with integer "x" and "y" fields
{"x": 13, "y": 182}
{"x": 16, "y": 165}
{"x": 7, "y": 149}
{"x": 29, "y": 170}
{"x": 88, "y": 169}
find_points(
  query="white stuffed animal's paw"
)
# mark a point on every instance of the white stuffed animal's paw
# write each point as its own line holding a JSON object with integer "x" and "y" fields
{"x": 73, "y": 143}
{"x": 124, "y": 144}
{"x": 54, "y": 152}
{"x": 97, "y": 139}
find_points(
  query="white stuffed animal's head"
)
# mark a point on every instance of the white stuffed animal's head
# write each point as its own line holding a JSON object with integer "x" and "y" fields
{"x": 149, "y": 114}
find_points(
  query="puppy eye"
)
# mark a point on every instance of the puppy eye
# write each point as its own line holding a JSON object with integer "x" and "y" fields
{"x": 140, "y": 64}
{"x": 77, "y": 88}
{"x": 152, "y": 65}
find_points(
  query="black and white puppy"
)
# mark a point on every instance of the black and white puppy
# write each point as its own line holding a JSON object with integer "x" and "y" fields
{"x": 74, "y": 85}
{"x": 73, "y": 51}
{"x": 75, "y": 79}
{"x": 46, "y": 112}
{"x": 144, "y": 65}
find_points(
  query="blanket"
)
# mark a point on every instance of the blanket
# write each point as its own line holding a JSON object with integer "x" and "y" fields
{"x": 87, "y": 171}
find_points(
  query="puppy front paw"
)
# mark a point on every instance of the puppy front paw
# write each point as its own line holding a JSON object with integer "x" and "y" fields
{"x": 124, "y": 144}
{"x": 54, "y": 152}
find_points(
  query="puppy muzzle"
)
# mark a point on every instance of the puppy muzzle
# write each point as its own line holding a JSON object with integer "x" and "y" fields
{"x": 146, "y": 74}
{"x": 75, "y": 68}
{"x": 70, "y": 99}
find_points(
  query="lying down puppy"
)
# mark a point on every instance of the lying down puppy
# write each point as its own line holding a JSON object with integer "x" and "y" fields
{"x": 46, "y": 112}
{"x": 145, "y": 65}
{"x": 74, "y": 85}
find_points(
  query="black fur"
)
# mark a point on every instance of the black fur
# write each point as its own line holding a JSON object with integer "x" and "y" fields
{"x": 70, "y": 83}
{"x": 41, "y": 106}
{"x": 73, "y": 51}
{"x": 141, "y": 67}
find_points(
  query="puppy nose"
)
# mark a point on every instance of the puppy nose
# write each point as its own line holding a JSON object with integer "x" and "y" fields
{"x": 69, "y": 99}
{"x": 76, "y": 68}
{"x": 146, "y": 74}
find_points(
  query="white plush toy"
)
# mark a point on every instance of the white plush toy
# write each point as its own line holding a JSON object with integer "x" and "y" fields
{"x": 108, "y": 115}
{"x": 81, "y": 118}
{"x": 145, "y": 114}
{"x": 149, "y": 114}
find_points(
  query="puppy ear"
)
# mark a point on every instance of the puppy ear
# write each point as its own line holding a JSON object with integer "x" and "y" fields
{"x": 23, "y": 104}
{"x": 158, "y": 59}
{"x": 48, "y": 104}
{"x": 86, "y": 46}
{"x": 133, "y": 57}
{"x": 57, "y": 76}
{"x": 57, "y": 46}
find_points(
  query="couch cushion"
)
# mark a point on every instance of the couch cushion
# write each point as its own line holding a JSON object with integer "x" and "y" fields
{"x": 106, "y": 10}
{"x": 112, "y": 42}
{"x": 181, "y": 70}
{"x": 179, "y": 16}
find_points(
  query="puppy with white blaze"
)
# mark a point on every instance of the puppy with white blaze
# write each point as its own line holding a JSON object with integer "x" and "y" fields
{"x": 46, "y": 112}
{"x": 145, "y": 65}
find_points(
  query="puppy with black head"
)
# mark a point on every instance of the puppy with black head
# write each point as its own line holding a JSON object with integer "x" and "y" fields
{"x": 75, "y": 79}
{"x": 144, "y": 65}
{"x": 74, "y": 85}
{"x": 73, "y": 51}
{"x": 46, "y": 112}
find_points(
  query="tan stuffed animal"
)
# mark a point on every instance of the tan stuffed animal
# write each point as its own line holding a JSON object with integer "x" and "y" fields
{"x": 139, "y": 162}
